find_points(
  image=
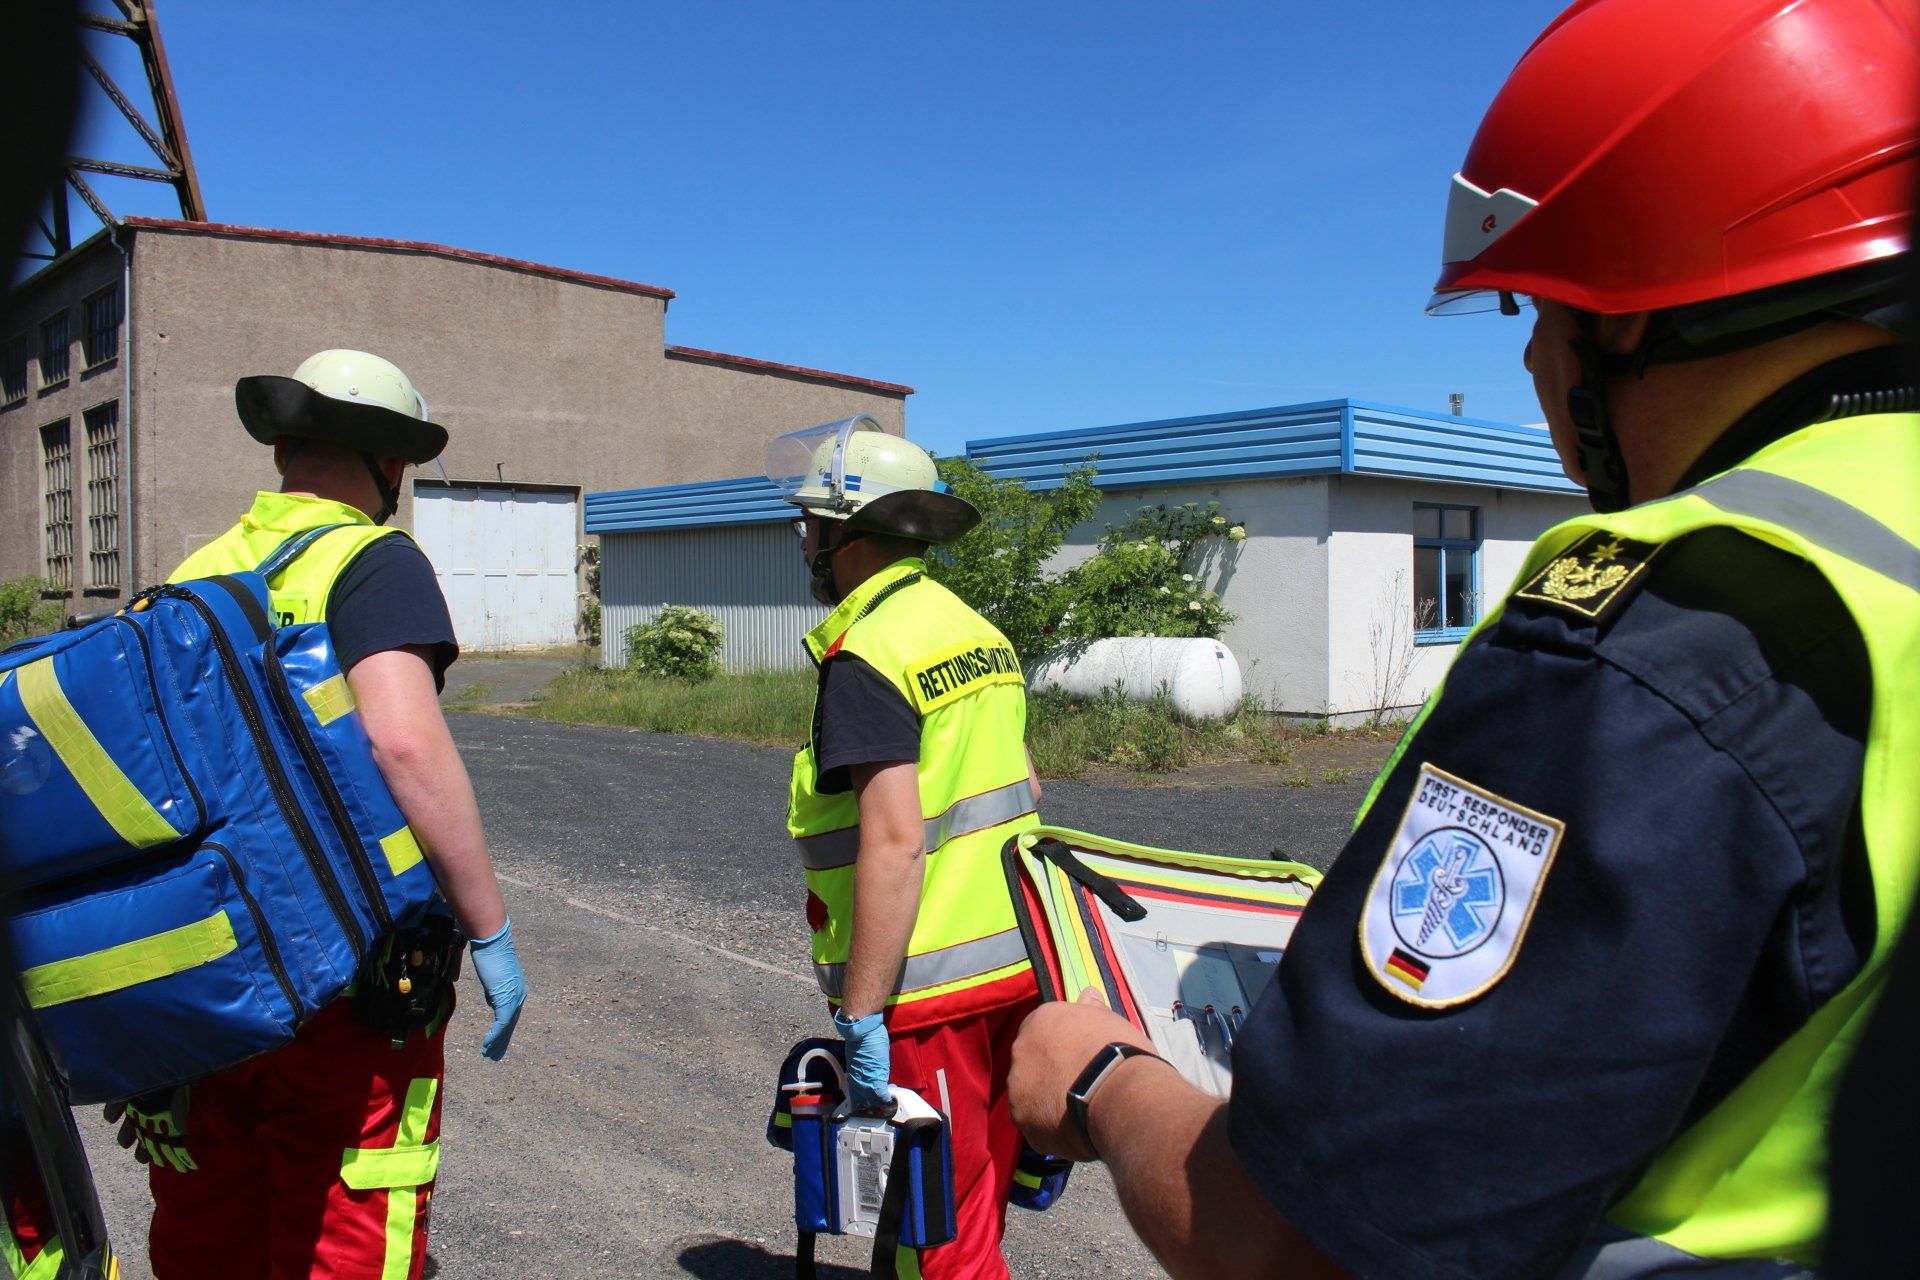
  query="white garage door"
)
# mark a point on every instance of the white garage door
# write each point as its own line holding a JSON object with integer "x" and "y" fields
{"x": 505, "y": 557}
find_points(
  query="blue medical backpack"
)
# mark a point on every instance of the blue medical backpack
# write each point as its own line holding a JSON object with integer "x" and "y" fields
{"x": 199, "y": 851}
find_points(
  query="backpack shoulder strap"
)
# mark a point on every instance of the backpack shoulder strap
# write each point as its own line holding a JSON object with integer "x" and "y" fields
{"x": 285, "y": 553}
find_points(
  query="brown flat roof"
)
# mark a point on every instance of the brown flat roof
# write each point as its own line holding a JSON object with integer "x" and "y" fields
{"x": 748, "y": 362}
{"x": 405, "y": 246}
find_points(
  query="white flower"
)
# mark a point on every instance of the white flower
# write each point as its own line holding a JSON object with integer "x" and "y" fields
{"x": 1219, "y": 519}
{"x": 1194, "y": 605}
{"x": 1186, "y": 577}
{"x": 1166, "y": 591}
{"x": 1149, "y": 542}
{"x": 1237, "y": 534}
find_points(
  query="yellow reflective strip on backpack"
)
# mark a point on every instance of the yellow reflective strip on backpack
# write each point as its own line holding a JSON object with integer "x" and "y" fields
{"x": 130, "y": 963}
{"x": 112, "y": 793}
{"x": 402, "y": 850}
{"x": 330, "y": 699}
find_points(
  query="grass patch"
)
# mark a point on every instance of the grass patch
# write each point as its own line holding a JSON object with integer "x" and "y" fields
{"x": 769, "y": 707}
{"x": 1067, "y": 735}
{"x": 479, "y": 691}
{"x": 1336, "y": 777}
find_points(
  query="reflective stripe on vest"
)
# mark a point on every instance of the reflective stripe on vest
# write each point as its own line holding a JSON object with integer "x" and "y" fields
{"x": 1746, "y": 1180}
{"x": 939, "y": 968}
{"x": 1611, "y": 1254}
{"x": 989, "y": 809}
{"x": 964, "y": 681}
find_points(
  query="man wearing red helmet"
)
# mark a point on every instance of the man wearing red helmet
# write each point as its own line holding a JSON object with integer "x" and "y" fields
{"x": 1573, "y": 998}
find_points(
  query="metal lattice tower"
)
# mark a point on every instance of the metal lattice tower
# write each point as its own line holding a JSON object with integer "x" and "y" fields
{"x": 166, "y": 135}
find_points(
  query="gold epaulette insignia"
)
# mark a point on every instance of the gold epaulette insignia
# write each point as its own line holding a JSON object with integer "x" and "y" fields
{"x": 1591, "y": 575}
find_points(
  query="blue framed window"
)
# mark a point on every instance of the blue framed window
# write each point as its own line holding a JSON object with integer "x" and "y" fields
{"x": 1446, "y": 572}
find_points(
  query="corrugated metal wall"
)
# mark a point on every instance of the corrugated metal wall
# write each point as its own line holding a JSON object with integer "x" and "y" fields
{"x": 751, "y": 577}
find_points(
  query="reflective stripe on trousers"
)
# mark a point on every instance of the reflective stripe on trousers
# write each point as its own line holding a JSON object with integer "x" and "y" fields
{"x": 935, "y": 968}
{"x": 833, "y": 849}
{"x": 401, "y": 1170}
{"x": 1612, "y": 1254}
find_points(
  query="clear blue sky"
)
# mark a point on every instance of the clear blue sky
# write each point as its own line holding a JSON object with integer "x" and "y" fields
{"x": 1042, "y": 215}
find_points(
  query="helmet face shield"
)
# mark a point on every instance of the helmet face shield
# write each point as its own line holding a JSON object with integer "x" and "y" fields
{"x": 810, "y": 466}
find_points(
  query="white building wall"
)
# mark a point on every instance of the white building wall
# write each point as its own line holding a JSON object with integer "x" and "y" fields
{"x": 1275, "y": 580}
{"x": 1372, "y": 660}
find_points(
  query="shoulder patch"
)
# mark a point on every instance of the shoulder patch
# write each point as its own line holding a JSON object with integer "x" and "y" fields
{"x": 1592, "y": 575}
{"x": 941, "y": 677}
{"x": 1452, "y": 899}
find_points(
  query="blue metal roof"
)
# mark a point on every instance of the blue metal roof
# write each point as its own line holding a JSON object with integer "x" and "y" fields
{"x": 749, "y": 500}
{"x": 1330, "y": 437}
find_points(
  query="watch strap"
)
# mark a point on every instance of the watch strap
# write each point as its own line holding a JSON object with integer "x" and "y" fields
{"x": 1099, "y": 1067}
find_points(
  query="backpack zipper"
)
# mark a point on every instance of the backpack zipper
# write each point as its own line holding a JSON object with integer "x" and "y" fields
{"x": 283, "y": 795}
{"x": 330, "y": 794}
{"x": 267, "y": 942}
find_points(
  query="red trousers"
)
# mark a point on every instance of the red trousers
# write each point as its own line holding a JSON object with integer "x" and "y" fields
{"x": 313, "y": 1162}
{"x": 960, "y": 1068}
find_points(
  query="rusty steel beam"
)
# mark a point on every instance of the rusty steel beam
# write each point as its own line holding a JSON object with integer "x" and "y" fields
{"x": 112, "y": 26}
{"x": 88, "y": 194}
{"x": 172, "y": 124}
{"x": 118, "y": 169}
{"x": 127, "y": 109}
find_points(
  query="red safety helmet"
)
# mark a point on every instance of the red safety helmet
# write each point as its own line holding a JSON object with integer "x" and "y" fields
{"x": 1650, "y": 154}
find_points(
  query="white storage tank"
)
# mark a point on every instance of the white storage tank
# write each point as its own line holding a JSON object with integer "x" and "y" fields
{"x": 1200, "y": 677}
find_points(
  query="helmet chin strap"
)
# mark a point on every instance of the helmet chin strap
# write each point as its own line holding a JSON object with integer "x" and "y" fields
{"x": 1595, "y": 444}
{"x": 389, "y": 496}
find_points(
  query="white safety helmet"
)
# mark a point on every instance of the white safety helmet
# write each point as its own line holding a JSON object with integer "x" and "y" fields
{"x": 352, "y": 398}
{"x": 853, "y": 471}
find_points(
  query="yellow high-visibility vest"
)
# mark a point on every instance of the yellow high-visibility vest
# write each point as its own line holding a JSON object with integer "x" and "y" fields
{"x": 965, "y": 681}
{"x": 299, "y": 591}
{"x": 1748, "y": 1179}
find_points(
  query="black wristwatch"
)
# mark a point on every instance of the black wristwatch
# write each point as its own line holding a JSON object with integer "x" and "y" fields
{"x": 1080, "y": 1092}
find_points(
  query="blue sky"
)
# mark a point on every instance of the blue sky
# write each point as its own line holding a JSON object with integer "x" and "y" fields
{"x": 1041, "y": 215}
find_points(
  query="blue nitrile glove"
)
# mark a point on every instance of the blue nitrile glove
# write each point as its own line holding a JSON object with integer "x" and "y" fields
{"x": 498, "y": 967}
{"x": 869, "y": 1061}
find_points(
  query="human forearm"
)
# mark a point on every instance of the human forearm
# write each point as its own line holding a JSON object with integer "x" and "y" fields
{"x": 887, "y": 877}
{"x": 422, "y": 768}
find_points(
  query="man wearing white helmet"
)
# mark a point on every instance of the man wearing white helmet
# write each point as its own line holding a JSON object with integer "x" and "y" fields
{"x": 915, "y": 775}
{"x": 252, "y": 1181}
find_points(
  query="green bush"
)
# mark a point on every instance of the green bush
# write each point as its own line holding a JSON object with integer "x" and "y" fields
{"x": 999, "y": 568}
{"x": 681, "y": 642}
{"x": 1146, "y": 579}
{"x": 23, "y": 613}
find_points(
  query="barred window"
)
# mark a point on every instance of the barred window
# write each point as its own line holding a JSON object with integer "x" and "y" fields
{"x": 103, "y": 326}
{"x": 103, "y": 495}
{"x": 56, "y": 335}
{"x": 13, "y": 369}
{"x": 56, "y": 463}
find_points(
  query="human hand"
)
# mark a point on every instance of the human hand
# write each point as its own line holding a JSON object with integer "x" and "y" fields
{"x": 869, "y": 1061}
{"x": 497, "y": 965}
{"x": 154, "y": 1127}
{"x": 1054, "y": 1046}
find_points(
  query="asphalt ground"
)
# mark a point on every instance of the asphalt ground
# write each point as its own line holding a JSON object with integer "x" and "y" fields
{"x": 657, "y": 908}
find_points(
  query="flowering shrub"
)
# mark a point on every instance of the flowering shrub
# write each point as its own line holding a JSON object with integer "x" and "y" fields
{"x": 680, "y": 641}
{"x": 1147, "y": 577}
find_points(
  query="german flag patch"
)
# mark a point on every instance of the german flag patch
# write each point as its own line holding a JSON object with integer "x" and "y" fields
{"x": 1593, "y": 575}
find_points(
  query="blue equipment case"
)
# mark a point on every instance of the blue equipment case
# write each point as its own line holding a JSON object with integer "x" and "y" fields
{"x": 200, "y": 849}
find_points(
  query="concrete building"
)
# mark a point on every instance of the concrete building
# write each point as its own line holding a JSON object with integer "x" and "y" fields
{"x": 120, "y": 451}
{"x": 1375, "y": 536}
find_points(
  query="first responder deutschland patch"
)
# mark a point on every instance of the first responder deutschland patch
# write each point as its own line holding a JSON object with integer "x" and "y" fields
{"x": 1452, "y": 899}
{"x": 1589, "y": 577}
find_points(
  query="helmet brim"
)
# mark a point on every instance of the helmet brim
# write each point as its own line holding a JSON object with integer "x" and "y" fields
{"x": 920, "y": 514}
{"x": 271, "y": 406}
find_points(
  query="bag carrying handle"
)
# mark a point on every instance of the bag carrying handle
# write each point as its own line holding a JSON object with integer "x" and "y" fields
{"x": 284, "y": 554}
{"x": 1117, "y": 899}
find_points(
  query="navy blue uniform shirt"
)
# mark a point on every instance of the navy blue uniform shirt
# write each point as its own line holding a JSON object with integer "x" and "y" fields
{"x": 1702, "y": 742}
{"x": 388, "y": 598}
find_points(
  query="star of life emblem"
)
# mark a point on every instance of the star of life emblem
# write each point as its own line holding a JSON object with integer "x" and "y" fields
{"x": 1452, "y": 899}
